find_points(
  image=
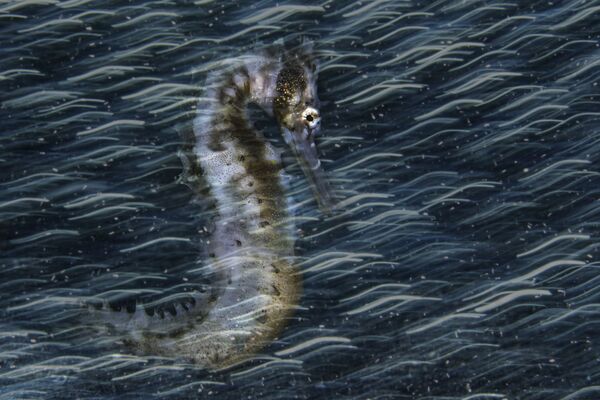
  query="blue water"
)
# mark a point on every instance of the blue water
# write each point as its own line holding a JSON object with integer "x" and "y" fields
{"x": 463, "y": 141}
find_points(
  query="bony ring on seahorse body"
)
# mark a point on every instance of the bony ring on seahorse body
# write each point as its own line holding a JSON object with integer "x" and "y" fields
{"x": 256, "y": 286}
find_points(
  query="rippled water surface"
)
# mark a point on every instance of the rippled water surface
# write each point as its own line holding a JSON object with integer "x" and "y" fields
{"x": 463, "y": 141}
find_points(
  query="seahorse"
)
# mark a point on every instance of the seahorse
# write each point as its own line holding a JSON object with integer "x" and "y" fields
{"x": 251, "y": 246}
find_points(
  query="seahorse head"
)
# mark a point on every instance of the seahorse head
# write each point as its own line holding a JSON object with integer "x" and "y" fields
{"x": 296, "y": 109}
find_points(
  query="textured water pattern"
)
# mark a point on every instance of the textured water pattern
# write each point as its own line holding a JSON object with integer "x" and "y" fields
{"x": 463, "y": 140}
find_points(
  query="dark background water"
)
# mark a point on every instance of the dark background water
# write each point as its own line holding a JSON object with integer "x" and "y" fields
{"x": 462, "y": 138}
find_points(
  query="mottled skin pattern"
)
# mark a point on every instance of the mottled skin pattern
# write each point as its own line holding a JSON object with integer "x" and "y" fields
{"x": 252, "y": 242}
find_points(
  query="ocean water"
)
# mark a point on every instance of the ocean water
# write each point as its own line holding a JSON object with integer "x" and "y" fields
{"x": 462, "y": 138}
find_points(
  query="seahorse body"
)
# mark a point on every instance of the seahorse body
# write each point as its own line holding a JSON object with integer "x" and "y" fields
{"x": 253, "y": 234}
{"x": 251, "y": 247}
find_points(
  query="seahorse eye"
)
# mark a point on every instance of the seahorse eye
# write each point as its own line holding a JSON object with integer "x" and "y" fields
{"x": 311, "y": 117}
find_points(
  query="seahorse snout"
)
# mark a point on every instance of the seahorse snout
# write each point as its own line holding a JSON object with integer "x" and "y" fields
{"x": 301, "y": 140}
